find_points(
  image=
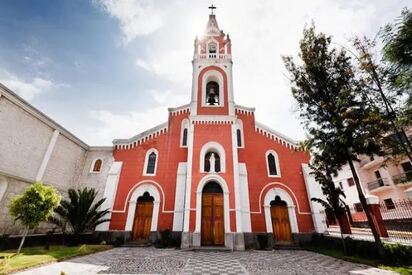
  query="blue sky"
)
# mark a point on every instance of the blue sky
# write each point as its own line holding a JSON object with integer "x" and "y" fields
{"x": 108, "y": 69}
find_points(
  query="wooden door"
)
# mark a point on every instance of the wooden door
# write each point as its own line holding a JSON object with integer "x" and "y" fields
{"x": 213, "y": 230}
{"x": 280, "y": 223}
{"x": 143, "y": 220}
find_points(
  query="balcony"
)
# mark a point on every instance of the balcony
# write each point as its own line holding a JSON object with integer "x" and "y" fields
{"x": 404, "y": 178}
{"x": 377, "y": 185}
{"x": 368, "y": 162}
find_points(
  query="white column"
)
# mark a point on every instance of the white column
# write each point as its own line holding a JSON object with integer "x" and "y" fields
{"x": 236, "y": 180}
{"x": 179, "y": 197}
{"x": 244, "y": 198}
{"x": 47, "y": 155}
{"x": 188, "y": 177}
{"x": 110, "y": 193}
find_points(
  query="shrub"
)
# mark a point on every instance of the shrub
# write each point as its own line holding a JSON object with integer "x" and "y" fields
{"x": 4, "y": 241}
{"x": 398, "y": 254}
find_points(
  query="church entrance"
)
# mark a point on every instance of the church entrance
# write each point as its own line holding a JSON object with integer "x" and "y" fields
{"x": 143, "y": 217}
{"x": 213, "y": 230}
{"x": 280, "y": 221}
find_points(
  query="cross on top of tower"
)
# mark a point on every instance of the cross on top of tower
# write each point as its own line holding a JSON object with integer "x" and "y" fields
{"x": 211, "y": 8}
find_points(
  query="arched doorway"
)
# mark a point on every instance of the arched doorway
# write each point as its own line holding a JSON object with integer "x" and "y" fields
{"x": 280, "y": 220}
{"x": 143, "y": 217}
{"x": 213, "y": 230}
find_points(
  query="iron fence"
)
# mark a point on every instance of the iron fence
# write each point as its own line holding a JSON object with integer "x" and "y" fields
{"x": 397, "y": 219}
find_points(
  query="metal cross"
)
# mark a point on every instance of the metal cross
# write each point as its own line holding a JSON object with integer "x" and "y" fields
{"x": 212, "y": 8}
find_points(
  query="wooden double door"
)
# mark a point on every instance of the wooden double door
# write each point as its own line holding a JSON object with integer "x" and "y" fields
{"x": 213, "y": 230}
{"x": 280, "y": 223}
{"x": 143, "y": 220}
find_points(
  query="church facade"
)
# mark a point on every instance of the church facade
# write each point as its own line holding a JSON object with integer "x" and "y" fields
{"x": 211, "y": 174}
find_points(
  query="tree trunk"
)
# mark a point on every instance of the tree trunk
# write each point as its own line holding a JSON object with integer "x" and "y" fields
{"x": 364, "y": 204}
{"x": 26, "y": 230}
{"x": 343, "y": 240}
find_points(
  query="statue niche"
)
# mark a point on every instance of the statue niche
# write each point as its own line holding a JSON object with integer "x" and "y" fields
{"x": 212, "y": 93}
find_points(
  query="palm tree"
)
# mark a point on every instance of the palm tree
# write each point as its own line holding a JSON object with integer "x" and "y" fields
{"x": 80, "y": 214}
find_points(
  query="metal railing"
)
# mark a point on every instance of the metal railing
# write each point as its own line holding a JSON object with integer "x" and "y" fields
{"x": 403, "y": 178}
{"x": 377, "y": 183}
{"x": 213, "y": 56}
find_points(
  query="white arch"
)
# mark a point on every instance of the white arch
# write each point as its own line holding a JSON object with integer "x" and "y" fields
{"x": 3, "y": 187}
{"x": 184, "y": 125}
{"x": 206, "y": 179}
{"x": 139, "y": 191}
{"x": 213, "y": 75}
{"x": 270, "y": 196}
{"x": 93, "y": 163}
{"x": 278, "y": 175}
{"x": 146, "y": 160}
{"x": 210, "y": 146}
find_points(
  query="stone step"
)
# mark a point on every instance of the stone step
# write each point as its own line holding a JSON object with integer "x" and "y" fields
{"x": 208, "y": 248}
{"x": 137, "y": 244}
{"x": 286, "y": 246}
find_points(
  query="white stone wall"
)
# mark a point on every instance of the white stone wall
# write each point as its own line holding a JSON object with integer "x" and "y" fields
{"x": 25, "y": 145}
{"x": 23, "y": 140}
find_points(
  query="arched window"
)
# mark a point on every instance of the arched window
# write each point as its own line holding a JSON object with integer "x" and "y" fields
{"x": 96, "y": 166}
{"x": 184, "y": 129}
{"x": 212, "y": 93}
{"x": 212, "y": 47}
{"x": 239, "y": 138}
{"x": 212, "y": 162}
{"x": 272, "y": 164}
{"x": 184, "y": 137}
{"x": 150, "y": 162}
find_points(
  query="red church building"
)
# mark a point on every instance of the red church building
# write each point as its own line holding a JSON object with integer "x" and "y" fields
{"x": 211, "y": 174}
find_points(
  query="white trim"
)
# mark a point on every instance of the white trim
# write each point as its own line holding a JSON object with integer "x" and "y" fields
{"x": 47, "y": 155}
{"x": 212, "y": 145}
{"x": 284, "y": 186}
{"x": 146, "y": 160}
{"x": 184, "y": 125}
{"x": 270, "y": 196}
{"x": 213, "y": 75}
{"x": 206, "y": 179}
{"x": 139, "y": 191}
{"x": 278, "y": 175}
{"x": 3, "y": 187}
{"x": 92, "y": 166}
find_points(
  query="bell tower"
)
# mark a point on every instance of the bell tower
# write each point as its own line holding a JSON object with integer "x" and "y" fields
{"x": 212, "y": 86}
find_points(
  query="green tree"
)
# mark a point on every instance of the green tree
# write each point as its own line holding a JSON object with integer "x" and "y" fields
{"x": 34, "y": 206}
{"x": 335, "y": 108}
{"x": 323, "y": 171}
{"x": 80, "y": 214}
{"x": 397, "y": 51}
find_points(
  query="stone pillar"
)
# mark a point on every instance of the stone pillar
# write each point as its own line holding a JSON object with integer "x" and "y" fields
{"x": 373, "y": 207}
{"x": 344, "y": 224}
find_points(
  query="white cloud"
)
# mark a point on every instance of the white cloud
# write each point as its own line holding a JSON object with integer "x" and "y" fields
{"x": 261, "y": 32}
{"x": 27, "y": 89}
{"x": 136, "y": 17}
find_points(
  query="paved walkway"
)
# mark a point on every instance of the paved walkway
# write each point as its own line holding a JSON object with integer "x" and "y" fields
{"x": 128, "y": 260}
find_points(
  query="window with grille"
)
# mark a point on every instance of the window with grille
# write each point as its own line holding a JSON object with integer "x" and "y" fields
{"x": 151, "y": 163}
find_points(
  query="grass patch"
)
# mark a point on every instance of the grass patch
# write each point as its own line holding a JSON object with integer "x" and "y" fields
{"x": 337, "y": 253}
{"x": 32, "y": 256}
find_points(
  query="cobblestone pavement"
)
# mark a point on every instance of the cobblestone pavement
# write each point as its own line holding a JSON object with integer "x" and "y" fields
{"x": 131, "y": 260}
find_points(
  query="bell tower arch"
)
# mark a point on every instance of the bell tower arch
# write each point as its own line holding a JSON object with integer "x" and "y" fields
{"x": 212, "y": 86}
